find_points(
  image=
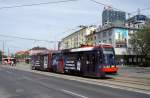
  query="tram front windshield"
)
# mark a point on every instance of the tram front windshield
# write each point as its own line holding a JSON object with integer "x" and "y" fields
{"x": 109, "y": 56}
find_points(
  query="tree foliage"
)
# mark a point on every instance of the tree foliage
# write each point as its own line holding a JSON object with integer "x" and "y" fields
{"x": 22, "y": 56}
{"x": 0, "y": 55}
{"x": 140, "y": 42}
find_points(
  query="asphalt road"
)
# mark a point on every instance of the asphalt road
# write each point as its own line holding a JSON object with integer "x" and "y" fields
{"x": 21, "y": 84}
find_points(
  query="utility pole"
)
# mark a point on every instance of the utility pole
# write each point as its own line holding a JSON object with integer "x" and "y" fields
{"x": 3, "y": 53}
{"x": 8, "y": 53}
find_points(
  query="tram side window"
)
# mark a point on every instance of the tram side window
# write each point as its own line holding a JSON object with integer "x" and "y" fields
{"x": 88, "y": 59}
{"x": 130, "y": 60}
{"x": 135, "y": 59}
{"x": 100, "y": 56}
{"x": 93, "y": 61}
{"x": 139, "y": 59}
{"x": 88, "y": 62}
{"x": 71, "y": 57}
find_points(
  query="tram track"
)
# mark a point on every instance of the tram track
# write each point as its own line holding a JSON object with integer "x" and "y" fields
{"x": 145, "y": 83}
{"x": 127, "y": 86}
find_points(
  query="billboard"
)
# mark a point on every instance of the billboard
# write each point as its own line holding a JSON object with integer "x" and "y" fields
{"x": 121, "y": 36}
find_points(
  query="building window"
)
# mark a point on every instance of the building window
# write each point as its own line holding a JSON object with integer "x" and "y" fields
{"x": 99, "y": 35}
{"x": 109, "y": 33}
{"x": 95, "y": 37}
{"x": 110, "y": 41}
{"x": 104, "y": 34}
{"x": 104, "y": 41}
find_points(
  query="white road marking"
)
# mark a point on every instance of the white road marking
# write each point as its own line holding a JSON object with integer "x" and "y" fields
{"x": 9, "y": 72}
{"x": 72, "y": 93}
{"x": 19, "y": 90}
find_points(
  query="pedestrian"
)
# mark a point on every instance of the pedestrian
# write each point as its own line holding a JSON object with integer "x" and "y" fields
{"x": 12, "y": 63}
{"x": 9, "y": 62}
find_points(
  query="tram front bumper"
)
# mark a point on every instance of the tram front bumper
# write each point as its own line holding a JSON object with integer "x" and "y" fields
{"x": 111, "y": 70}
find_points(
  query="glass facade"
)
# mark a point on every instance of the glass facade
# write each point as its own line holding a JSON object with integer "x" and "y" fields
{"x": 114, "y": 17}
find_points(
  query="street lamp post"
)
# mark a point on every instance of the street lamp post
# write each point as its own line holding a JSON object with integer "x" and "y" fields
{"x": 3, "y": 50}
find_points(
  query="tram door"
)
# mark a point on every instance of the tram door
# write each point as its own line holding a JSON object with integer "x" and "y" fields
{"x": 90, "y": 63}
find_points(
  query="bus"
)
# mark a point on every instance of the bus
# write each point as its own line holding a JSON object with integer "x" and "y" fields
{"x": 90, "y": 60}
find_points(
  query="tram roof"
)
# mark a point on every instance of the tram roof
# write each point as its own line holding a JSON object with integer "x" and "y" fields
{"x": 88, "y": 48}
{"x": 82, "y": 49}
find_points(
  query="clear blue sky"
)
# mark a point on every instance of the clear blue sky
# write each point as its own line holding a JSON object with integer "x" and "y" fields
{"x": 49, "y": 21}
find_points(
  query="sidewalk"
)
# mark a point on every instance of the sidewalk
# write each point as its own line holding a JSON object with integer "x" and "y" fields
{"x": 134, "y": 72}
{"x": 23, "y": 66}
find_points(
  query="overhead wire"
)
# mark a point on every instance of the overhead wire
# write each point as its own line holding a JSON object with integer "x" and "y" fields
{"x": 36, "y": 4}
{"x": 31, "y": 39}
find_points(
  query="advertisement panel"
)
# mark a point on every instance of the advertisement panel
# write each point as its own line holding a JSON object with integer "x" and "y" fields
{"x": 121, "y": 36}
{"x": 45, "y": 62}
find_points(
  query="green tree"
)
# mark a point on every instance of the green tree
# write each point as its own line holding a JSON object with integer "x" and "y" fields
{"x": 0, "y": 56}
{"x": 23, "y": 56}
{"x": 140, "y": 42}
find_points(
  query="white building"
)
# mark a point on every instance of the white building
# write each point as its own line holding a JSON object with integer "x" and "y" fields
{"x": 117, "y": 36}
{"x": 76, "y": 39}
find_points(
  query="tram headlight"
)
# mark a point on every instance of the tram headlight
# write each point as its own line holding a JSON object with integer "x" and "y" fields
{"x": 112, "y": 65}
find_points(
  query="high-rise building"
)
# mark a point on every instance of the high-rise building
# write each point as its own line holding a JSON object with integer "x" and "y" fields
{"x": 110, "y": 16}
